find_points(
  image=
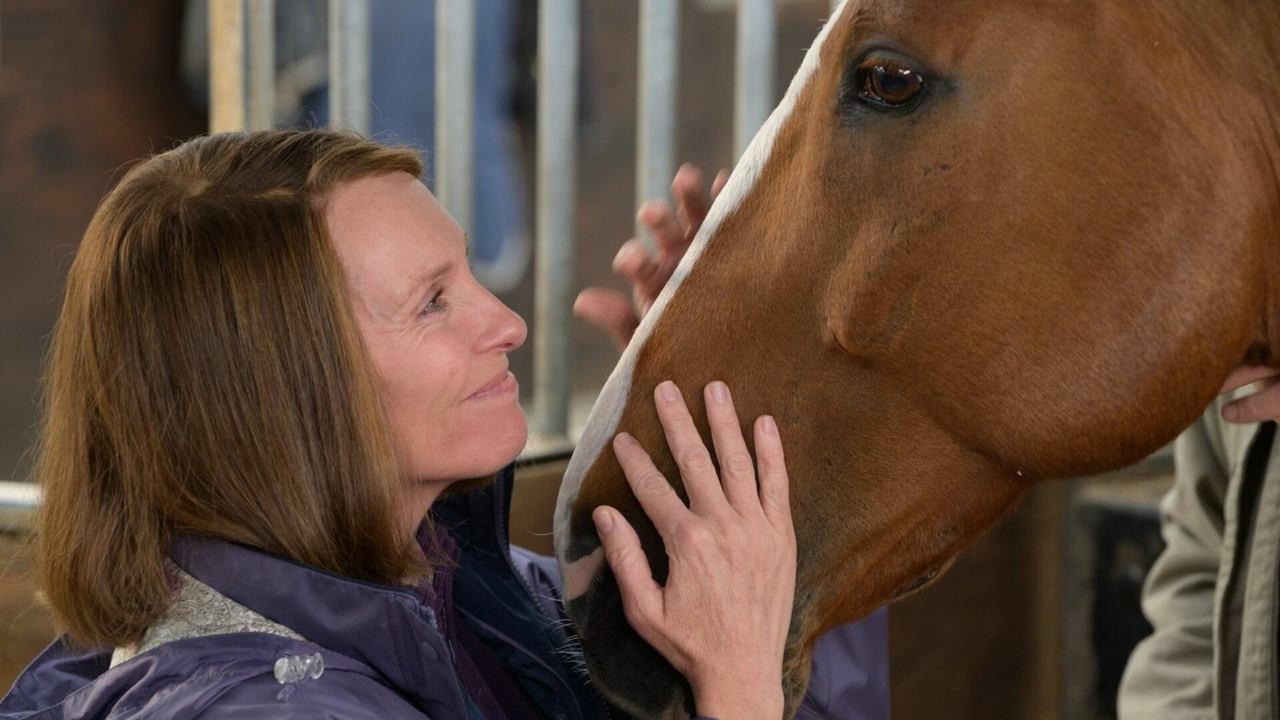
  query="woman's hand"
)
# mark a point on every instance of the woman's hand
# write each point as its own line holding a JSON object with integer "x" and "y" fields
{"x": 1263, "y": 404}
{"x": 611, "y": 310}
{"x": 723, "y": 615}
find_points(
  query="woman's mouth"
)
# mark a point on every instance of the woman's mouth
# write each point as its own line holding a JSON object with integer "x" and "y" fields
{"x": 501, "y": 385}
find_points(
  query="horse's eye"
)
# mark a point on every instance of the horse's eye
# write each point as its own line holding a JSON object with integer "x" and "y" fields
{"x": 887, "y": 82}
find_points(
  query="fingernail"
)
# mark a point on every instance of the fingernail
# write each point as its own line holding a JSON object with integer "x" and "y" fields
{"x": 719, "y": 392}
{"x": 625, "y": 253}
{"x": 624, "y": 439}
{"x": 769, "y": 426}
{"x": 604, "y": 521}
{"x": 1231, "y": 413}
{"x": 668, "y": 391}
{"x": 647, "y": 211}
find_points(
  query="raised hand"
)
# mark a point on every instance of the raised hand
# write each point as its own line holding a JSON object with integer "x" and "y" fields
{"x": 672, "y": 231}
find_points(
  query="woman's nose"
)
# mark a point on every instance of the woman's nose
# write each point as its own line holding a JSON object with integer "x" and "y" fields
{"x": 505, "y": 331}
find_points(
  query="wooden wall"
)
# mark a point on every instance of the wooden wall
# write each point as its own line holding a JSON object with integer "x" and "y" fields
{"x": 85, "y": 86}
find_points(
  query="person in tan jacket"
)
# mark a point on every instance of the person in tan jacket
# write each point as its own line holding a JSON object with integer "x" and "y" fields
{"x": 1212, "y": 594}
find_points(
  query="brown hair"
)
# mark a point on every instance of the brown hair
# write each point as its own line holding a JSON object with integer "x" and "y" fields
{"x": 206, "y": 377}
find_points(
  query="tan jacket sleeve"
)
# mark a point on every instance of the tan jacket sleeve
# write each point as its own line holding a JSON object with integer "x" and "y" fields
{"x": 1170, "y": 674}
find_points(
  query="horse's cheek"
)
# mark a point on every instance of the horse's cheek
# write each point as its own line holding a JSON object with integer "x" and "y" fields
{"x": 869, "y": 325}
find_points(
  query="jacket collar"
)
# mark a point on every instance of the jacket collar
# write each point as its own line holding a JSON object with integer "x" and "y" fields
{"x": 385, "y": 628}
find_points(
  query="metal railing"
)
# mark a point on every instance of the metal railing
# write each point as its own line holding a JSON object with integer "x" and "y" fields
{"x": 753, "y": 79}
{"x": 557, "y": 165}
{"x": 656, "y": 101}
{"x": 349, "y": 64}
{"x": 455, "y": 109}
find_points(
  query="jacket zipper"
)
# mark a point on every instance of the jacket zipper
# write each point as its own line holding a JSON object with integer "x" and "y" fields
{"x": 505, "y": 537}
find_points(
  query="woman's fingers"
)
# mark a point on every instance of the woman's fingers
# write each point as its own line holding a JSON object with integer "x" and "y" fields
{"x": 775, "y": 487}
{"x": 722, "y": 179}
{"x": 610, "y": 311}
{"x": 730, "y": 583}
{"x": 668, "y": 234}
{"x": 641, "y": 595}
{"x": 659, "y": 500}
{"x": 1247, "y": 374}
{"x": 696, "y": 468}
{"x": 648, "y": 274}
{"x": 635, "y": 264}
{"x": 737, "y": 471}
{"x": 1261, "y": 406}
{"x": 691, "y": 200}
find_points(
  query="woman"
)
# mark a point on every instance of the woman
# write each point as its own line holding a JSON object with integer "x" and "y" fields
{"x": 271, "y": 362}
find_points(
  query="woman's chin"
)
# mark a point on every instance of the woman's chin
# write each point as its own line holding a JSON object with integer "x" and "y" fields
{"x": 504, "y": 443}
{"x": 477, "y": 449}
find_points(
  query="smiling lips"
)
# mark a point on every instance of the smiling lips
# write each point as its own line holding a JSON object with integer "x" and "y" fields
{"x": 504, "y": 383}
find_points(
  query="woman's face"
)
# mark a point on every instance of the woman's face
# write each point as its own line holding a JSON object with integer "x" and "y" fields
{"x": 437, "y": 338}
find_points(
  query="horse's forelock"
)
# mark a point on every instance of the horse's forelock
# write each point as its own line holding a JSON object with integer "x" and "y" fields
{"x": 603, "y": 421}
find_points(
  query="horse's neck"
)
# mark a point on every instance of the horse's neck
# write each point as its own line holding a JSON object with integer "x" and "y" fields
{"x": 1255, "y": 52}
{"x": 1268, "y": 87}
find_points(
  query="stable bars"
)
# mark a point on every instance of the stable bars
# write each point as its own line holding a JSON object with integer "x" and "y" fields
{"x": 455, "y": 151}
{"x": 558, "y": 43}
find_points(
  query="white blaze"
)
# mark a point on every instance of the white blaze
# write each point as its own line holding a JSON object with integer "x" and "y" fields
{"x": 602, "y": 423}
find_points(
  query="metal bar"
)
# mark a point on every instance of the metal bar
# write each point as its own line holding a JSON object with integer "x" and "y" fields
{"x": 656, "y": 124}
{"x": 455, "y": 109}
{"x": 226, "y": 66}
{"x": 835, "y": 5}
{"x": 753, "y": 95}
{"x": 557, "y": 171}
{"x": 262, "y": 64}
{"x": 19, "y": 495}
{"x": 349, "y": 65}
{"x": 19, "y": 502}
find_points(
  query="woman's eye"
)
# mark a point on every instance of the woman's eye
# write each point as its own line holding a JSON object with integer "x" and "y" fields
{"x": 435, "y": 304}
{"x": 888, "y": 83}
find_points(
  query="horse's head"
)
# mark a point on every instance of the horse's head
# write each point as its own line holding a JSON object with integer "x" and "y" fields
{"x": 977, "y": 244}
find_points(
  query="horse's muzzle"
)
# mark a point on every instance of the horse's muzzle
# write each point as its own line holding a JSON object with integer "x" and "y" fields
{"x": 625, "y": 668}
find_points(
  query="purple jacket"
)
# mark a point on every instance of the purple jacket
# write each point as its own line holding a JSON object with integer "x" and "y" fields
{"x": 374, "y": 652}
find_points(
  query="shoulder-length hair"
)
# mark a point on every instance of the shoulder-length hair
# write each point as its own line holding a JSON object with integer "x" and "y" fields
{"x": 206, "y": 376}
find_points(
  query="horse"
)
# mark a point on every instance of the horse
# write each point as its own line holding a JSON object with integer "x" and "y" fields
{"x": 977, "y": 245}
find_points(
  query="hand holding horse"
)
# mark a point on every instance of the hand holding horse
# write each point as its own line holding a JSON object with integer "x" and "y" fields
{"x": 722, "y": 617}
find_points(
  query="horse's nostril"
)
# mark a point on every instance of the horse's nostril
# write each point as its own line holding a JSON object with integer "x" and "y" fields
{"x": 582, "y": 543}
{"x": 626, "y": 669}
